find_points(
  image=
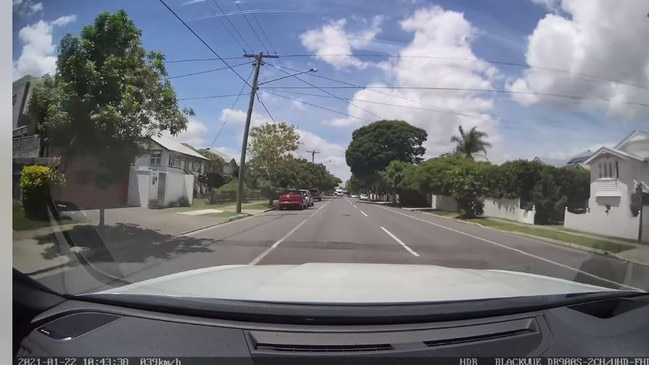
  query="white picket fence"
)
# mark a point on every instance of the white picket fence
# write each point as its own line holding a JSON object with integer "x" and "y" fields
{"x": 497, "y": 208}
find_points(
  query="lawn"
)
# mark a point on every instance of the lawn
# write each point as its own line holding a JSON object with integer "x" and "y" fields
{"x": 598, "y": 243}
{"x": 225, "y": 214}
{"x": 262, "y": 205}
{"x": 199, "y": 204}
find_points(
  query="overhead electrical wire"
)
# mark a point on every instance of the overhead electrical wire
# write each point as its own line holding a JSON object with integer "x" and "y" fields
{"x": 233, "y": 26}
{"x": 208, "y": 71}
{"x": 496, "y": 62}
{"x": 497, "y": 91}
{"x": 232, "y": 107}
{"x": 310, "y": 104}
{"x": 254, "y": 31}
{"x": 203, "y": 41}
{"x": 263, "y": 32}
{"x": 266, "y": 109}
{"x": 209, "y": 97}
{"x": 324, "y": 91}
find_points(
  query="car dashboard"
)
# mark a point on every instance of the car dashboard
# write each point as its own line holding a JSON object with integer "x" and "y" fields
{"x": 612, "y": 327}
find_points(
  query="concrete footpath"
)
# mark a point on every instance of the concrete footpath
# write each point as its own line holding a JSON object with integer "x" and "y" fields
{"x": 129, "y": 234}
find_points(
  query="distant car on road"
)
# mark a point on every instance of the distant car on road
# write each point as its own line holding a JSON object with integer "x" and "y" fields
{"x": 316, "y": 194}
{"x": 292, "y": 199}
{"x": 364, "y": 197}
{"x": 354, "y": 196}
{"x": 309, "y": 197}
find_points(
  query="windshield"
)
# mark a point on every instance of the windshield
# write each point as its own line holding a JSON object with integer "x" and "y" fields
{"x": 444, "y": 150}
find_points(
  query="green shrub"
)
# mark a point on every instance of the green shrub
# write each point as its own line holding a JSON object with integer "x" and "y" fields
{"x": 38, "y": 184}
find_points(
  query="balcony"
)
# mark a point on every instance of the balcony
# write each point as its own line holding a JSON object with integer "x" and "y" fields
{"x": 608, "y": 187}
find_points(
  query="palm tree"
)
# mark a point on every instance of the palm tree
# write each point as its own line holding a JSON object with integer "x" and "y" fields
{"x": 471, "y": 142}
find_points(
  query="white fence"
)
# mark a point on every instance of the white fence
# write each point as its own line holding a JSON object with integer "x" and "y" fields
{"x": 497, "y": 208}
{"x": 178, "y": 186}
{"x": 508, "y": 209}
{"x": 143, "y": 187}
{"x": 598, "y": 222}
{"x": 441, "y": 202}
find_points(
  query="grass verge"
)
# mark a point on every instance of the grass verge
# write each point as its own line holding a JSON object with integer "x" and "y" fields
{"x": 593, "y": 242}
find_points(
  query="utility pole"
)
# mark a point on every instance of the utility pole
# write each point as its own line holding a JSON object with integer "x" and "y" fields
{"x": 312, "y": 155}
{"x": 244, "y": 144}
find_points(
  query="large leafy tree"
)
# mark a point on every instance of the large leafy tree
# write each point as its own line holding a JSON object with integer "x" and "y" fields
{"x": 269, "y": 147}
{"x": 470, "y": 143}
{"x": 107, "y": 96}
{"x": 374, "y": 146}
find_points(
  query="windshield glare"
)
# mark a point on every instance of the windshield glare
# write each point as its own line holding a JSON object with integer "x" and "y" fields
{"x": 443, "y": 151}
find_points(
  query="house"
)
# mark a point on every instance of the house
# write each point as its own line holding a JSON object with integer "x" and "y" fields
{"x": 576, "y": 161}
{"x": 20, "y": 101}
{"x": 167, "y": 173}
{"x": 615, "y": 174}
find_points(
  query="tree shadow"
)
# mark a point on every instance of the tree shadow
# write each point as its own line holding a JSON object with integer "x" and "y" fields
{"x": 121, "y": 243}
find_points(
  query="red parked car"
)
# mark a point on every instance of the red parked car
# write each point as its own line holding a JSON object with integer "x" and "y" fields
{"x": 292, "y": 199}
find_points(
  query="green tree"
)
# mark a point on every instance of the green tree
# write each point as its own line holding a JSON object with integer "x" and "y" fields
{"x": 470, "y": 143}
{"x": 269, "y": 147}
{"x": 352, "y": 185}
{"x": 468, "y": 188}
{"x": 392, "y": 176}
{"x": 213, "y": 177}
{"x": 107, "y": 96}
{"x": 374, "y": 146}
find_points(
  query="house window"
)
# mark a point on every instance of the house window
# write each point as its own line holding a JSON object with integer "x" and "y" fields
{"x": 175, "y": 161}
{"x": 156, "y": 158}
{"x": 196, "y": 166}
{"x": 608, "y": 170}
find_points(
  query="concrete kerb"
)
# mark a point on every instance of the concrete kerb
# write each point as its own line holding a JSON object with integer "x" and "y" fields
{"x": 549, "y": 240}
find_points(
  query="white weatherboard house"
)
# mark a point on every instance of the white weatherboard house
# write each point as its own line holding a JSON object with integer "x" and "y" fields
{"x": 615, "y": 173}
{"x": 165, "y": 174}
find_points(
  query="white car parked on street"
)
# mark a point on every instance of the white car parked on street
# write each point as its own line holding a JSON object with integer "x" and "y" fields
{"x": 364, "y": 197}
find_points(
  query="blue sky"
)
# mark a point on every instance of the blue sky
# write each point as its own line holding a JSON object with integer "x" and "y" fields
{"x": 523, "y": 50}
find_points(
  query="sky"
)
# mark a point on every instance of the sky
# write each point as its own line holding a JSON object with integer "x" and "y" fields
{"x": 547, "y": 78}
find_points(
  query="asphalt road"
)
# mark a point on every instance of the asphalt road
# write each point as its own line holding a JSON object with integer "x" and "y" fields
{"x": 347, "y": 230}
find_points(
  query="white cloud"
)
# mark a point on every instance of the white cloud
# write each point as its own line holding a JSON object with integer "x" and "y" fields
{"x": 446, "y": 34}
{"x": 194, "y": 135}
{"x": 552, "y": 5}
{"x": 26, "y": 8}
{"x": 64, "y": 20}
{"x": 333, "y": 39}
{"x": 603, "y": 38}
{"x": 239, "y": 117}
{"x": 331, "y": 155}
{"x": 38, "y": 54}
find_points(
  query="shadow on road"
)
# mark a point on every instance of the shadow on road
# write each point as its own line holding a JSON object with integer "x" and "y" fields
{"x": 121, "y": 243}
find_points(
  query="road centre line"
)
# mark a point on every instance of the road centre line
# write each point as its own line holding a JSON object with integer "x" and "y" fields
{"x": 363, "y": 213}
{"x": 400, "y": 242}
{"x": 515, "y": 250}
{"x": 256, "y": 260}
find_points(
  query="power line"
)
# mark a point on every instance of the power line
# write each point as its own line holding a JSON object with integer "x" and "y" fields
{"x": 203, "y": 59}
{"x": 497, "y": 91}
{"x": 232, "y": 25}
{"x": 202, "y": 41}
{"x": 310, "y": 104}
{"x": 233, "y": 105}
{"x": 245, "y": 17}
{"x": 325, "y": 91}
{"x": 266, "y": 109}
{"x": 207, "y": 71}
{"x": 263, "y": 32}
{"x": 209, "y": 97}
{"x": 495, "y": 62}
